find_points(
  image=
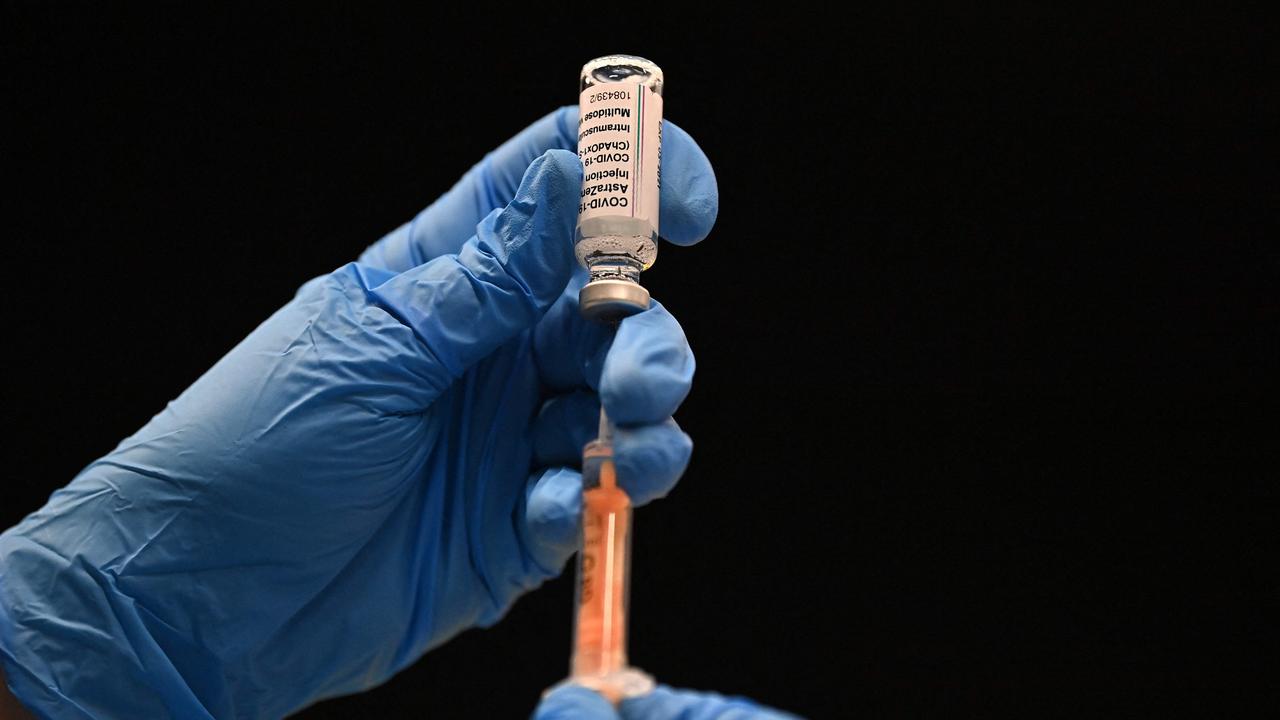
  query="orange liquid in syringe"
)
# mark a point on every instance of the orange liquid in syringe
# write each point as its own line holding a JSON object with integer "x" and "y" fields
{"x": 600, "y": 644}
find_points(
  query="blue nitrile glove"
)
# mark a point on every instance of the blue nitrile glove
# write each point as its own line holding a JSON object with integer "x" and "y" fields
{"x": 574, "y": 702}
{"x": 385, "y": 462}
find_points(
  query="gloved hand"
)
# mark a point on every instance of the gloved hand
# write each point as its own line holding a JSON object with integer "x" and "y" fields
{"x": 385, "y": 462}
{"x": 574, "y": 702}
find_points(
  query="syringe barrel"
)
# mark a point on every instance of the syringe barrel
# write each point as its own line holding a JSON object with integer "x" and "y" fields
{"x": 599, "y": 647}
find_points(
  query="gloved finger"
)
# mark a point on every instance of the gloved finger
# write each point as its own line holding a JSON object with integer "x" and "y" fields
{"x": 648, "y": 370}
{"x": 690, "y": 198}
{"x": 643, "y": 370}
{"x": 564, "y": 424}
{"x": 574, "y": 702}
{"x": 466, "y": 305}
{"x": 665, "y": 703}
{"x": 688, "y": 204}
{"x": 650, "y": 459}
{"x": 551, "y": 512}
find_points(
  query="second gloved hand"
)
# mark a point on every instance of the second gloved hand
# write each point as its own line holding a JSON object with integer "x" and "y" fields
{"x": 386, "y": 461}
{"x": 571, "y": 702}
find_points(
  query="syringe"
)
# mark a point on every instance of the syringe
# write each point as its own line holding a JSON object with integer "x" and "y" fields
{"x": 620, "y": 145}
{"x": 600, "y": 639}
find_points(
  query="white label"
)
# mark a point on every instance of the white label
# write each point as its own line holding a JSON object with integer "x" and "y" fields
{"x": 620, "y": 145}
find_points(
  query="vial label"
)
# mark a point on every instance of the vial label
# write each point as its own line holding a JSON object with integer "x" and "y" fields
{"x": 620, "y": 145}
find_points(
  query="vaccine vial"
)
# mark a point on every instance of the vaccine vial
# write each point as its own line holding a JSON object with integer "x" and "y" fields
{"x": 620, "y": 145}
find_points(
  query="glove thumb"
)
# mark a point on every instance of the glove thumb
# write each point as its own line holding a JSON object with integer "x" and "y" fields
{"x": 504, "y": 278}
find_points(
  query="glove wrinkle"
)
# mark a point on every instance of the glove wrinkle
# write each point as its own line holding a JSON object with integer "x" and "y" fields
{"x": 502, "y": 583}
{"x": 472, "y": 515}
{"x": 487, "y": 194}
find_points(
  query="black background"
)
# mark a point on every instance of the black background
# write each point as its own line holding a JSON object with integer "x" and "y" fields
{"x": 986, "y": 330}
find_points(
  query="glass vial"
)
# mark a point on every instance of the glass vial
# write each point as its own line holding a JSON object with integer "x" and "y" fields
{"x": 620, "y": 145}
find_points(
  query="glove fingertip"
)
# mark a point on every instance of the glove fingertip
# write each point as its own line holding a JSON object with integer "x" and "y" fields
{"x": 553, "y": 507}
{"x": 652, "y": 459}
{"x": 536, "y": 227}
{"x": 649, "y": 369}
{"x": 690, "y": 194}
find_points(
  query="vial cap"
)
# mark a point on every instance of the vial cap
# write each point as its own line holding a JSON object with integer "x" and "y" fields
{"x": 612, "y": 300}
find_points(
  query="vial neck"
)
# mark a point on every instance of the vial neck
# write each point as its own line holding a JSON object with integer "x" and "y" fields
{"x": 613, "y": 267}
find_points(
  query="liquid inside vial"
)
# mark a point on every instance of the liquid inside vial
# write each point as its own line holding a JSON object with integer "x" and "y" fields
{"x": 621, "y": 248}
{"x": 620, "y": 145}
